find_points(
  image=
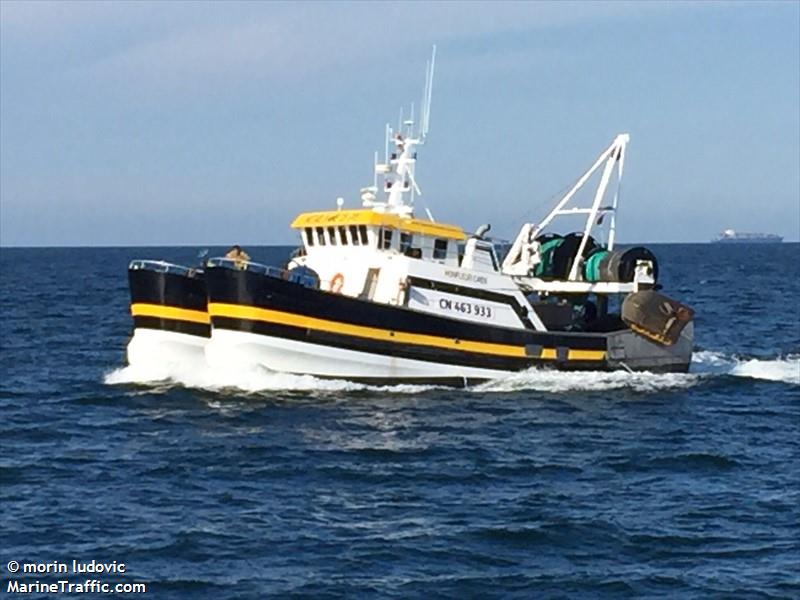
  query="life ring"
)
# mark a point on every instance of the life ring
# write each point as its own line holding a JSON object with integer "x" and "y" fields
{"x": 337, "y": 283}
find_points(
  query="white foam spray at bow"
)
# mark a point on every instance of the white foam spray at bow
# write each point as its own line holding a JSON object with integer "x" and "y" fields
{"x": 245, "y": 379}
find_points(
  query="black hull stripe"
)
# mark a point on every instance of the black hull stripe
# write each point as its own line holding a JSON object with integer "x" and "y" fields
{"x": 174, "y": 325}
{"x": 392, "y": 349}
{"x": 169, "y": 289}
{"x": 226, "y": 286}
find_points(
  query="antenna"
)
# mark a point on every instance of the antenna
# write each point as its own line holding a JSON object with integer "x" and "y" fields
{"x": 397, "y": 170}
{"x": 427, "y": 95}
{"x": 422, "y": 104}
{"x": 386, "y": 143}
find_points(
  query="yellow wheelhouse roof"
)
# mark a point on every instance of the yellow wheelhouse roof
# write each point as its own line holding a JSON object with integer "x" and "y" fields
{"x": 371, "y": 217}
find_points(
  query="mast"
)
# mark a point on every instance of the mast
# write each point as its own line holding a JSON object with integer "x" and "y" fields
{"x": 399, "y": 183}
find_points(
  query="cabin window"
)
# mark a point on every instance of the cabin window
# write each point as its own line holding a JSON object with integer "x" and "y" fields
{"x": 309, "y": 236}
{"x": 321, "y": 236}
{"x": 342, "y": 235}
{"x": 362, "y": 230}
{"x": 354, "y": 235}
{"x": 439, "y": 249}
{"x": 332, "y": 235}
{"x": 406, "y": 240}
{"x": 386, "y": 238}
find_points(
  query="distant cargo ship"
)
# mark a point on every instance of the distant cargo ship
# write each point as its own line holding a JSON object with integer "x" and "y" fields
{"x": 729, "y": 236}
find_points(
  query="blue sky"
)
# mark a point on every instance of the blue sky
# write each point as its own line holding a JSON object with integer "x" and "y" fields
{"x": 180, "y": 123}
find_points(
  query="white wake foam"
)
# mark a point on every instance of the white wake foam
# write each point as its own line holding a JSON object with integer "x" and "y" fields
{"x": 785, "y": 369}
{"x": 555, "y": 382}
{"x": 705, "y": 365}
{"x": 257, "y": 379}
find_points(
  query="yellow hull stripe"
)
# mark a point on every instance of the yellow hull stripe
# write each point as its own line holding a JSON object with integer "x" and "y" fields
{"x": 141, "y": 309}
{"x": 586, "y": 355}
{"x": 238, "y": 311}
{"x": 552, "y": 354}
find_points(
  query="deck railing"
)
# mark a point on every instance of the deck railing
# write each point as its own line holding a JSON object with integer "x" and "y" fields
{"x": 161, "y": 266}
{"x": 254, "y": 267}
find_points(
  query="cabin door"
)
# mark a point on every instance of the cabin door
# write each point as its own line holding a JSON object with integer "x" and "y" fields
{"x": 371, "y": 284}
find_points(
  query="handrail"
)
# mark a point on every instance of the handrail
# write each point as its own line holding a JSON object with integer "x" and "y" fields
{"x": 246, "y": 265}
{"x": 161, "y": 266}
{"x": 254, "y": 267}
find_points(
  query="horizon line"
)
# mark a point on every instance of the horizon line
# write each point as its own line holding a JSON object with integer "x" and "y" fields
{"x": 42, "y": 247}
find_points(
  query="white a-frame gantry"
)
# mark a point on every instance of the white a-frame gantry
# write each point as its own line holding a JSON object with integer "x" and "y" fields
{"x": 520, "y": 259}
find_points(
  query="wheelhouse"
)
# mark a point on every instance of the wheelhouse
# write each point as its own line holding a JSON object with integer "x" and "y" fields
{"x": 356, "y": 231}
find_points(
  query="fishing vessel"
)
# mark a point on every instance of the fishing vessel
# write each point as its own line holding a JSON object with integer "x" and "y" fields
{"x": 731, "y": 236}
{"x": 380, "y": 294}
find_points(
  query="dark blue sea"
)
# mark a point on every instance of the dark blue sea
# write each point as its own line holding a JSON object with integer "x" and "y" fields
{"x": 542, "y": 485}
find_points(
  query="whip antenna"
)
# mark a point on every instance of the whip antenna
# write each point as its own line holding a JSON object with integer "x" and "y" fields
{"x": 427, "y": 95}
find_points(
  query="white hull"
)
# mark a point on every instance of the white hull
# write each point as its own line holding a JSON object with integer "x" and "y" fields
{"x": 235, "y": 348}
{"x": 158, "y": 348}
